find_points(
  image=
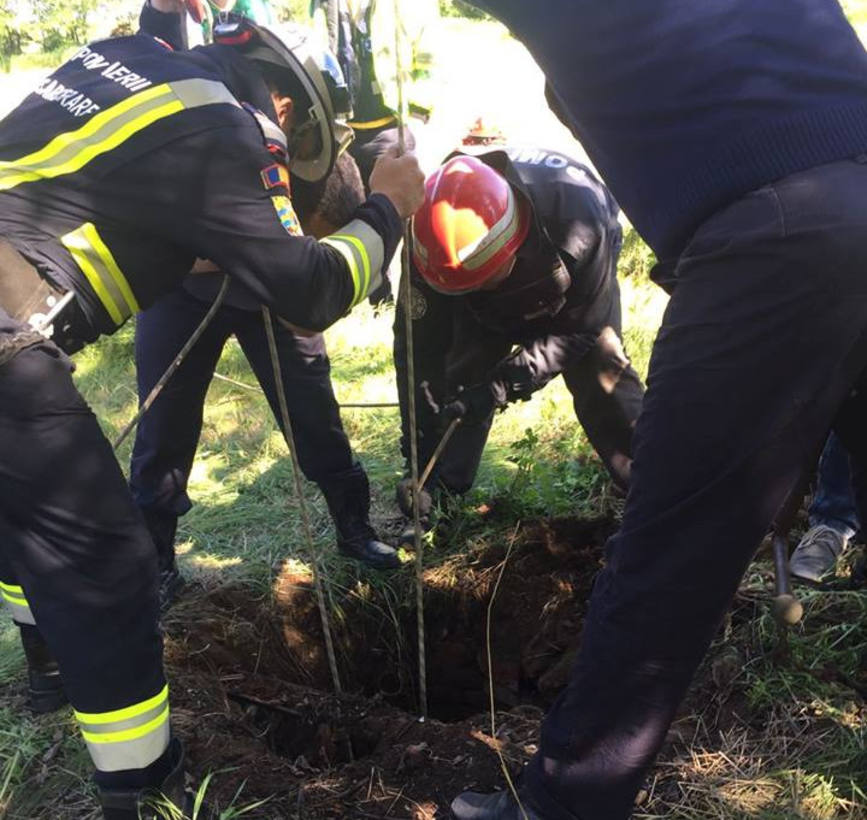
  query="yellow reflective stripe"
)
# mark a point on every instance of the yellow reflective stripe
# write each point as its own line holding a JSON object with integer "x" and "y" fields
{"x": 365, "y": 259}
{"x": 133, "y": 733}
{"x": 19, "y": 608}
{"x": 370, "y": 124}
{"x": 125, "y": 713}
{"x": 100, "y": 134}
{"x": 111, "y": 266}
{"x": 72, "y": 150}
{"x": 80, "y": 245}
{"x": 96, "y": 122}
{"x": 20, "y": 600}
{"x": 349, "y": 256}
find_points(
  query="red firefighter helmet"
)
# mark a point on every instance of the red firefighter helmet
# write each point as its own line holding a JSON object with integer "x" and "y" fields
{"x": 469, "y": 227}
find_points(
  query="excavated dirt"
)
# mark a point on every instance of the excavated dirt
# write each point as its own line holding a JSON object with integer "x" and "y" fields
{"x": 252, "y": 689}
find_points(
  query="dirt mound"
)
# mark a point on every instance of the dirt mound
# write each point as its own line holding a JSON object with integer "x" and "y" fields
{"x": 251, "y": 682}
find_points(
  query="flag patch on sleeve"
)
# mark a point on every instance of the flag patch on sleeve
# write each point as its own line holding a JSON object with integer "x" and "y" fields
{"x": 287, "y": 216}
{"x": 275, "y": 176}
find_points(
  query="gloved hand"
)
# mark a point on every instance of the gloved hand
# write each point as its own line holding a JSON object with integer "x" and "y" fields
{"x": 474, "y": 405}
{"x": 404, "y": 500}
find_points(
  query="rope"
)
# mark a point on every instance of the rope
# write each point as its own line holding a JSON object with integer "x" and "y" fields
{"x": 347, "y": 405}
{"x": 406, "y": 296}
{"x": 491, "y": 674}
{"x": 176, "y": 363}
{"x": 302, "y": 503}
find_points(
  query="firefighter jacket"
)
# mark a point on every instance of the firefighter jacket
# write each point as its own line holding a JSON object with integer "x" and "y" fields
{"x": 132, "y": 160}
{"x": 562, "y": 292}
{"x": 362, "y": 35}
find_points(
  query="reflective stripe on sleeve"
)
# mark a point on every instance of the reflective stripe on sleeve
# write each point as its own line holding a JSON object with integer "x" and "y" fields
{"x": 96, "y": 262}
{"x": 16, "y": 603}
{"x": 69, "y": 152}
{"x": 364, "y": 252}
{"x": 128, "y": 738}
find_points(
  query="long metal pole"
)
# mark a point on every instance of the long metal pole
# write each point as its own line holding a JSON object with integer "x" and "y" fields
{"x": 176, "y": 363}
{"x": 289, "y": 435}
{"x": 406, "y": 297}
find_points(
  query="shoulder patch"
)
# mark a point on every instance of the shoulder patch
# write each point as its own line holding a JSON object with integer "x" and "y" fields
{"x": 275, "y": 176}
{"x": 418, "y": 304}
{"x": 287, "y": 216}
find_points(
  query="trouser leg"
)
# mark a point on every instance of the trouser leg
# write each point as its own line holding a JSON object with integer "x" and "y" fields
{"x": 320, "y": 440}
{"x": 757, "y": 350}
{"x": 168, "y": 434}
{"x": 607, "y": 394}
{"x": 833, "y": 503}
{"x": 470, "y": 361}
{"x": 84, "y": 561}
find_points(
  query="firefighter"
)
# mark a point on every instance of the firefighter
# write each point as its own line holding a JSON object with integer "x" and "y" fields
{"x": 514, "y": 263}
{"x": 167, "y": 437}
{"x": 362, "y": 35}
{"x": 734, "y": 135}
{"x": 116, "y": 173}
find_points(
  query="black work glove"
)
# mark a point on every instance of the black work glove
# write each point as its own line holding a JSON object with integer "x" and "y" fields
{"x": 404, "y": 499}
{"x": 474, "y": 405}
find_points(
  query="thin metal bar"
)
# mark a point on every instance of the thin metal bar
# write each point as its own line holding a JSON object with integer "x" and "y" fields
{"x": 302, "y": 503}
{"x": 176, "y": 363}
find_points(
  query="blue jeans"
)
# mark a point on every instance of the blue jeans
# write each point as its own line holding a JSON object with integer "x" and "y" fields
{"x": 833, "y": 503}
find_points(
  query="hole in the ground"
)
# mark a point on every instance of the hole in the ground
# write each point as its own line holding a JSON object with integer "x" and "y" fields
{"x": 536, "y": 623}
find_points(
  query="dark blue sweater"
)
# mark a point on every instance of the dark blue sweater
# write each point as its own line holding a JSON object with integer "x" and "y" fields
{"x": 685, "y": 105}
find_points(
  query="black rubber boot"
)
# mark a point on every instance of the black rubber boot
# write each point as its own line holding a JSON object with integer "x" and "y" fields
{"x": 152, "y": 802}
{"x": 45, "y": 688}
{"x": 348, "y": 498}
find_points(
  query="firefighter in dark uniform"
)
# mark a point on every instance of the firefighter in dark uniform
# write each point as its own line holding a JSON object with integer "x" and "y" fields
{"x": 514, "y": 261}
{"x": 734, "y": 135}
{"x": 167, "y": 437}
{"x": 124, "y": 166}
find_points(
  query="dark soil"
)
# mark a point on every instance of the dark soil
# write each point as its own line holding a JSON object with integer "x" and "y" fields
{"x": 253, "y": 698}
{"x": 251, "y": 688}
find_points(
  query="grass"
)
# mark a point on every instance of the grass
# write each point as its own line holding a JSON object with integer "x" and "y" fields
{"x": 775, "y": 735}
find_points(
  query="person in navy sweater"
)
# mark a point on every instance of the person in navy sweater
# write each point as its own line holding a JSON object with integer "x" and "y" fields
{"x": 733, "y": 133}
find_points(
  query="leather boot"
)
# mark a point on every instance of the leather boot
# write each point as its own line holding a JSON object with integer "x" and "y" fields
{"x": 348, "y": 498}
{"x": 45, "y": 688}
{"x": 144, "y": 803}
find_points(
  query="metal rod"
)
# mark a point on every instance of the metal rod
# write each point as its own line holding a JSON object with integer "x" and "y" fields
{"x": 289, "y": 435}
{"x": 45, "y": 321}
{"x": 176, "y": 363}
{"x": 348, "y": 405}
{"x": 406, "y": 295}
{"x": 437, "y": 452}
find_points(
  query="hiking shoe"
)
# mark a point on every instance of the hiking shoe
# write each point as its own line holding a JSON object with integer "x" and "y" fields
{"x": 497, "y": 806}
{"x": 815, "y": 557}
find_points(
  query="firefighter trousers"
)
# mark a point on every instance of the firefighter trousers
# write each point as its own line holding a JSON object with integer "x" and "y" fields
{"x": 167, "y": 437}
{"x": 76, "y": 559}
{"x": 758, "y": 352}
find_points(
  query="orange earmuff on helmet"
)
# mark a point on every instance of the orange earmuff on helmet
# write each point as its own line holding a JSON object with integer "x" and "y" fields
{"x": 469, "y": 228}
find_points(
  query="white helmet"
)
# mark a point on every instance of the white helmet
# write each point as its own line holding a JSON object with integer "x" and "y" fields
{"x": 321, "y": 79}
